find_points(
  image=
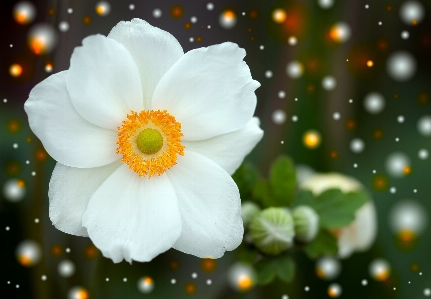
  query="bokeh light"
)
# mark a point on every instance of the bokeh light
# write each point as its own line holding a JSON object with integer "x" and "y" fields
{"x": 279, "y": 15}
{"x": 103, "y": 8}
{"x": 227, "y": 19}
{"x": 24, "y": 12}
{"x": 295, "y": 69}
{"x": 145, "y": 284}
{"x": 379, "y": 269}
{"x": 340, "y": 32}
{"x": 401, "y": 66}
{"x": 396, "y": 164}
{"x": 334, "y": 290}
{"x": 78, "y": 292}
{"x": 241, "y": 277}
{"x": 408, "y": 217}
{"x": 66, "y": 268}
{"x": 311, "y": 139}
{"x": 374, "y": 103}
{"x": 28, "y": 253}
{"x": 15, "y": 70}
{"x": 42, "y": 39}
{"x": 412, "y": 12}
{"x": 328, "y": 268}
{"x": 14, "y": 190}
{"x": 424, "y": 125}
{"x": 208, "y": 265}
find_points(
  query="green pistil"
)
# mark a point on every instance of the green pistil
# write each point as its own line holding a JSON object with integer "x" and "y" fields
{"x": 149, "y": 141}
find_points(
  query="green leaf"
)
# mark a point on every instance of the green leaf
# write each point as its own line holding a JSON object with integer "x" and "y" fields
{"x": 337, "y": 209}
{"x": 282, "y": 179}
{"x": 262, "y": 193}
{"x": 325, "y": 243}
{"x": 286, "y": 268}
{"x": 246, "y": 253}
{"x": 266, "y": 270}
{"x": 304, "y": 197}
{"x": 245, "y": 178}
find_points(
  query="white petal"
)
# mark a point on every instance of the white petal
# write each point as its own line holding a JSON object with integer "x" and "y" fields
{"x": 70, "y": 189}
{"x": 209, "y": 91}
{"x": 66, "y": 136}
{"x": 228, "y": 150}
{"x": 133, "y": 218}
{"x": 103, "y": 82}
{"x": 154, "y": 51}
{"x": 361, "y": 233}
{"x": 210, "y": 207}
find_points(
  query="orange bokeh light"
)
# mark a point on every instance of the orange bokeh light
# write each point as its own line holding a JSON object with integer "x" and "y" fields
{"x": 15, "y": 70}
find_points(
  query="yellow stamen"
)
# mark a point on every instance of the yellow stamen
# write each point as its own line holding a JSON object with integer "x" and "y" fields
{"x": 149, "y": 142}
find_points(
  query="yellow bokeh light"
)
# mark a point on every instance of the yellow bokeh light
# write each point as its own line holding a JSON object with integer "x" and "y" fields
{"x": 311, "y": 139}
{"x": 407, "y": 170}
{"x": 370, "y": 63}
{"x": 15, "y": 70}
{"x": 37, "y": 44}
{"x": 245, "y": 282}
{"x": 48, "y": 67}
{"x": 279, "y": 15}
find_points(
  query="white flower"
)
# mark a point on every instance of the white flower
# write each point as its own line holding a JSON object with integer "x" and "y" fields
{"x": 361, "y": 233}
{"x": 146, "y": 138}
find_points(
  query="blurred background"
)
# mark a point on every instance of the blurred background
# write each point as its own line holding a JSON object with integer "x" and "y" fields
{"x": 345, "y": 88}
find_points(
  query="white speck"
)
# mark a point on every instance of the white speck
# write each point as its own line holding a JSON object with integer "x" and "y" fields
{"x": 281, "y": 94}
{"x": 350, "y": 101}
{"x": 307, "y": 288}
{"x": 364, "y": 282}
{"x": 11, "y": 45}
{"x": 7, "y": 228}
{"x": 268, "y": 74}
{"x": 415, "y": 191}
{"x": 209, "y": 26}
{"x": 125, "y": 279}
{"x": 420, "y": 273}
{"x": 423, "y": 154}
{"x": 63, "y": 26}
{"x": 15, "y": 145}
{"x": 400, "y": 119}
{"x": 427, "y": 292}
{"x": 397, "y": 139}
{"x": 4, "y": 100}
{"x": 33, "y": 173}
{"x": 8, "y": 282}
{"x": 209, "y": 282}
{"x": 374, "y": 171}
{"x": 43, "y": 277}
{"x": 243, "y": 13}
{"x": 157, "y": 13}
{"x": 70, "y": 10}
{"x": 296, "y": 99}
{"x": 173, "y": 281}
{"x": 284, "y": 297}
{"x": 27, "y": 162}
{"x": 395, "y": 289}
{"x": 380, "y": 23}
{"x": 292, "y": 40}
{"x": 131, "y": 7}
{"x": 36, "y": 220}
{"x": 336, "y": 116}
{"x": 261, "y": 47}
{"x": 107, "y": 279}
{"x": 282, "y": 141}
{"x": 67, "y": 249}
{"x": 294, "y": 118}
{"x": 347, "y": 59}
{"x": 210, "y": 6}
{"x": 191, "y": 39}
{"x": 355, "y": 165}
{"x": 17, "y": 286}
{"x": 405, "y": 34}
{"x": 393, "y": 190}
{"x": 194, "y": 275}
{"x": 193, "y": 19}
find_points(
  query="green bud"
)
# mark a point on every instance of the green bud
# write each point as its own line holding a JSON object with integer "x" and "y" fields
{"x": 306, "y": 223}
{"x": 272, "y": 230}
{"x": 248, "y": 211}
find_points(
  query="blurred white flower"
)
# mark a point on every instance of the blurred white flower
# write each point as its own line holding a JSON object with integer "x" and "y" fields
{"x": 146, "y": 138}
{"x": 361, "y": 233}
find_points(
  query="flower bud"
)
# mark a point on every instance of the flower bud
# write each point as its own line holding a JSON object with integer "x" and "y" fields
{"x": 248, "y": 211}
{"x": 272, "y": 230}
{"x": 306, "y": 223}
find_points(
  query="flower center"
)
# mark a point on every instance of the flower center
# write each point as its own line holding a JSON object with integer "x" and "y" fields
{"x": 150, "y": 142}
